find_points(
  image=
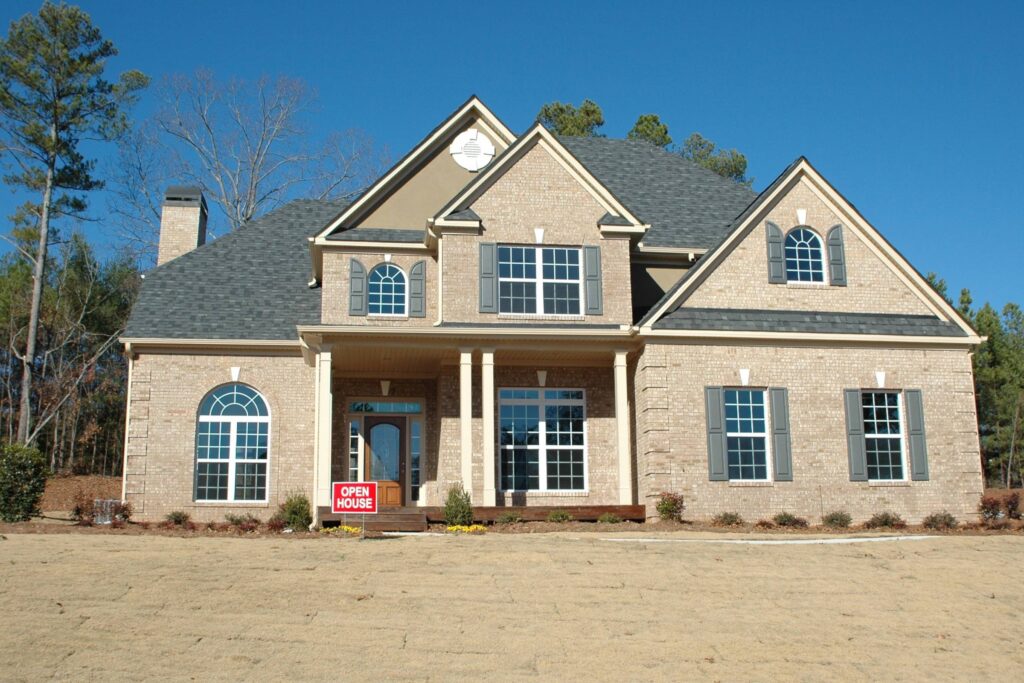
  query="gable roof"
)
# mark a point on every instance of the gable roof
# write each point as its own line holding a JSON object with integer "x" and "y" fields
{"x": 249, "y": 284}
{"x": 686, "y": 205}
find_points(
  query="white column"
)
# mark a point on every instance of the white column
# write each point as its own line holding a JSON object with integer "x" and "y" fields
{"x": 323, "y": 425}
{"x": 487, "y": 387}
{"x": 622, "y": 439}
{"x": 466, "y": 416}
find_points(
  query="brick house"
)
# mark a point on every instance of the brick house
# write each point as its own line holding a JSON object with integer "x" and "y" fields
{"x": 579, "y": 323}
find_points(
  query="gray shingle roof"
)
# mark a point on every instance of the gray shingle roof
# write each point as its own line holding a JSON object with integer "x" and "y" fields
{"x": 750, "y": 320}
{"x": 466, "y": 214}
{"x": 249, "y": 284}
{"x": 686, "y": 205}
{"x": 402, "y": 235}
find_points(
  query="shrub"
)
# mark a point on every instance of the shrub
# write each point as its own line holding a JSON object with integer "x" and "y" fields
{"x": 670, "y": 506}
{"x": 276, "y": 524}
{"x": 609, "y": 518}
{"x": 727, "y": 519}
{"x": 559, "y": 516}
{"x": 764, "y": 524}
{"x": 458, "y": 511}
{"x": 939, "y": 521}
{"x": 508, "y": 518}
{"x": 22, "y": 482}
{"x": 244, "y": 523}
{"x": 837, "y": 519}
{"x": 123, "y": 511}
{"x": 989, "y": 507}
{"x": 1011, "y": 504}
{"x": 885, "y": 520}
{"x": 179, "y": 518}
{"x": 296, "y": 513}
{"x": 788, "y": 519}
{"x": 84, "y": 510}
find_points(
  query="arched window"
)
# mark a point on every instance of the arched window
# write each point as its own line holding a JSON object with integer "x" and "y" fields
{"x": 803, "y": 256}
{"x": 232, "y": 443}
{"x": 387, "y": 290}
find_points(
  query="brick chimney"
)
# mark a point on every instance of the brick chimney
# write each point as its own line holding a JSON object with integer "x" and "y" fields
{"x": 182, "y": 222}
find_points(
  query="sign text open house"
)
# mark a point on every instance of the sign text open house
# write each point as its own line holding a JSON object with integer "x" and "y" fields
{"x": 354, "y": 497}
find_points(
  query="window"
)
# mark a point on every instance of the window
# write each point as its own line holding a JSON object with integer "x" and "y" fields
{"x": 883, "y": 435}
{"x": 385, "y": 407}
{"x": 803, "y": 256}
{"x": 552, "y": 289}
{"x": 232, "y": 442}
{"x": 746, "y": 434}
{"x": 415, "y": 456}
{"x": 387, "y": 290}
{"x": 542, "y": 439}
{"x": 353, "y": 452}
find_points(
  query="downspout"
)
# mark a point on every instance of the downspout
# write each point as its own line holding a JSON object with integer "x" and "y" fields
{"x": 127, "y": 422}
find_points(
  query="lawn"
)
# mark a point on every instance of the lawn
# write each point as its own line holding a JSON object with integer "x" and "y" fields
{"x": 546, "y": 606}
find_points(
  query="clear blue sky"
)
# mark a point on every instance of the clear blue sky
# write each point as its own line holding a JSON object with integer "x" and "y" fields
{"x": 912, "y": 109}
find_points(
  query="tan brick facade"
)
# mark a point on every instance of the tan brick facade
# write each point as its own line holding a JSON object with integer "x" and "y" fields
{"x": 337, "y": 285}
{"x": 182, "y": 229}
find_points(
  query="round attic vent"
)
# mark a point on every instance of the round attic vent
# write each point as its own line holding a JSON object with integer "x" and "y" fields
{"x": 472, "y": 150}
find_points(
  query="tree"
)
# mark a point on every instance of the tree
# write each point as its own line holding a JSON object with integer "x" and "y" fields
{"x": 52, "y": 96}
{"x": 650, "y": 128}
{"x": 568, "y": 120}
{"x": 726, "y": 163}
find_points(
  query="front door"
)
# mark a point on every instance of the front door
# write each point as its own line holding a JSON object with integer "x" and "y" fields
{"x": 385, "y": 458}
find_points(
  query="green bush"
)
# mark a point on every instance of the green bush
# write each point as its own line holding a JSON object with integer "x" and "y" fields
{"x": 559, "y": 516}
{"x": 609, "y": 518}
{"x": 179, "y": 518}
{"x": 885, "y": 520}
{"x": 245, "y": 523}
{"x": 670, "y": 506}
{"x": 22, "y": 482}
{"x": 295, "y": 512}
{"x": 508, "y": 518}
{"x": 939, "y": 521}
{"x": 727, "y": 519}
{"x": 458, "y": 510}
{"x": 788, "y": 519}
{"x": 837, "y": 519}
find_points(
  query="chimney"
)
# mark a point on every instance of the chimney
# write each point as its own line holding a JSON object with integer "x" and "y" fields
{"x": 182, "y": 222}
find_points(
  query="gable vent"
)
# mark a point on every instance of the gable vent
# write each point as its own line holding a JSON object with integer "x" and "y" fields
{"x": 472, "y": 150}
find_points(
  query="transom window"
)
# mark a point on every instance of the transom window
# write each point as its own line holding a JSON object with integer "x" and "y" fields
{"x": 387, "y": 289}
{"x": 803, "y": 256}
{"x": 883, "y": 435}
{"x": 746, "y": 434}
{"x": 552, "y": 289}
{"x": 543, "y": 439}
{"x": 232, "y": 445}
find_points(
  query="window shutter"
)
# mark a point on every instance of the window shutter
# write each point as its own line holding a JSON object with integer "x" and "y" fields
{"x": 714, "y": 402}
{"x": 915, "y": 435}
{"x": 488, "y": 277}
{"x": 418, "y": 290}
{"x": 781, "y": 442}
{"x": 776, "y": 256}
{"x": 855, "y": 436}
{"x": 357, "y": 288}
{"x": 592, "y": 277}
{"x": 836, "y": 257}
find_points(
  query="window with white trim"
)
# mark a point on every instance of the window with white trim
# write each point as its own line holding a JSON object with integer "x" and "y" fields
{"x": 232, "y": 445}
{"x": 553, "y": 288}
{"x": 746, "y": 434}
{"x": 354, "y": 448}
{"x": 415, "y": 457}
{"x": 387, "y": 290}
{"x": 804, "y": 262}
{"x": 883, "y": 435}
{"x": 542, "y": 441}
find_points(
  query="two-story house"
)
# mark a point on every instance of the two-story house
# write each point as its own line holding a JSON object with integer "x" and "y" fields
{"x": 549, "y": 321}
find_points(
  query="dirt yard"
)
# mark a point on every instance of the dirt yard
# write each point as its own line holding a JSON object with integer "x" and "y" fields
{"x": 551, "y": 606}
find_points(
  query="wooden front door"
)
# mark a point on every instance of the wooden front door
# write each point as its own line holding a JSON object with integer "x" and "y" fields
{"x": 385, "y": 458}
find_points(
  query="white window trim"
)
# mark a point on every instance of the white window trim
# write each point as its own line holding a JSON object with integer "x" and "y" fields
{"x": 232, "y": 456}
{"x": 542, "y": 458}
{"x": 902, "y": 435}
{"x": 357, "y": 424}
{"x": 825, "y": 274}
{"x": 769, "y": 470}
{"x": 405, "y": 297}
{"x": 539, "y": 281}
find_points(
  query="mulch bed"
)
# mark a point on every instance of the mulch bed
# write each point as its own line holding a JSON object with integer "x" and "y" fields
{"x": 62, "y": 491}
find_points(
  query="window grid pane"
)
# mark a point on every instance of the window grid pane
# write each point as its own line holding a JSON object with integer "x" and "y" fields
{"x": 558, "y": 280}
{"x": 746, "y": 437}
{"x": 415, "y": 451}
{"x": 386, "y": 295}
{"x": 804, "y": 257}
{"x": 353, "y": 452}
{"x": 882, "y": 435}
{"x": 542, "y": 432}
{"x": 232, "y": 444}
{"x": 212, "y": 481}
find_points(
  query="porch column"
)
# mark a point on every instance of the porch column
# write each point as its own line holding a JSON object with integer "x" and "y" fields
{"x": 466, "y": 416}
{"x": 487, "y": 387}
{"x": 323, "y": 424}
{"x": 622, "y": 439}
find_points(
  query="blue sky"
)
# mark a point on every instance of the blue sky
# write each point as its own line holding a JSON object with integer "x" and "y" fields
{"x": 911, "y": 109}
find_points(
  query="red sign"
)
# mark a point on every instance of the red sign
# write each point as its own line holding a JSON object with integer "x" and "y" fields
{"x": 354, "y": 497}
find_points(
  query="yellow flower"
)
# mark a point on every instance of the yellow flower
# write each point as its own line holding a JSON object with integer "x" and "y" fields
{"x": 471, "y": 529}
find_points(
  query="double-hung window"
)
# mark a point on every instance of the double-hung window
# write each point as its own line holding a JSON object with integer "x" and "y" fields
{"x": 539, "y": 280}
{"x": 746, "y": 433}
{"x": 232, "y": 444}
{"x": 542, "y": 439}
{"x": 883, "y": 435}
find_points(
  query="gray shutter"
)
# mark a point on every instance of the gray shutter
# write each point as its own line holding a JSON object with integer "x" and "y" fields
{"x": 488, "y": 277}
{"x": 915, "y": 435}
{"x": 357, "y": 288}
{"x": 418, "y": 290}
{"x": 776, "y": 256}
{"x": 592, "y": 278}
{"x": 714, "y": 402}
{"x": 781, "y": 443}
{"x": 855, "y": 436}
{"x": 836, "y": 257}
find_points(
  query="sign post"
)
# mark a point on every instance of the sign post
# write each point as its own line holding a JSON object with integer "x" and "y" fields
{"x": 352, "y": 497}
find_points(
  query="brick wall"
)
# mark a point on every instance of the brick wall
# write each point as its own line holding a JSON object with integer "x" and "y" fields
{"x": 336, "y": 287}
{"x": 182, "y": 228}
